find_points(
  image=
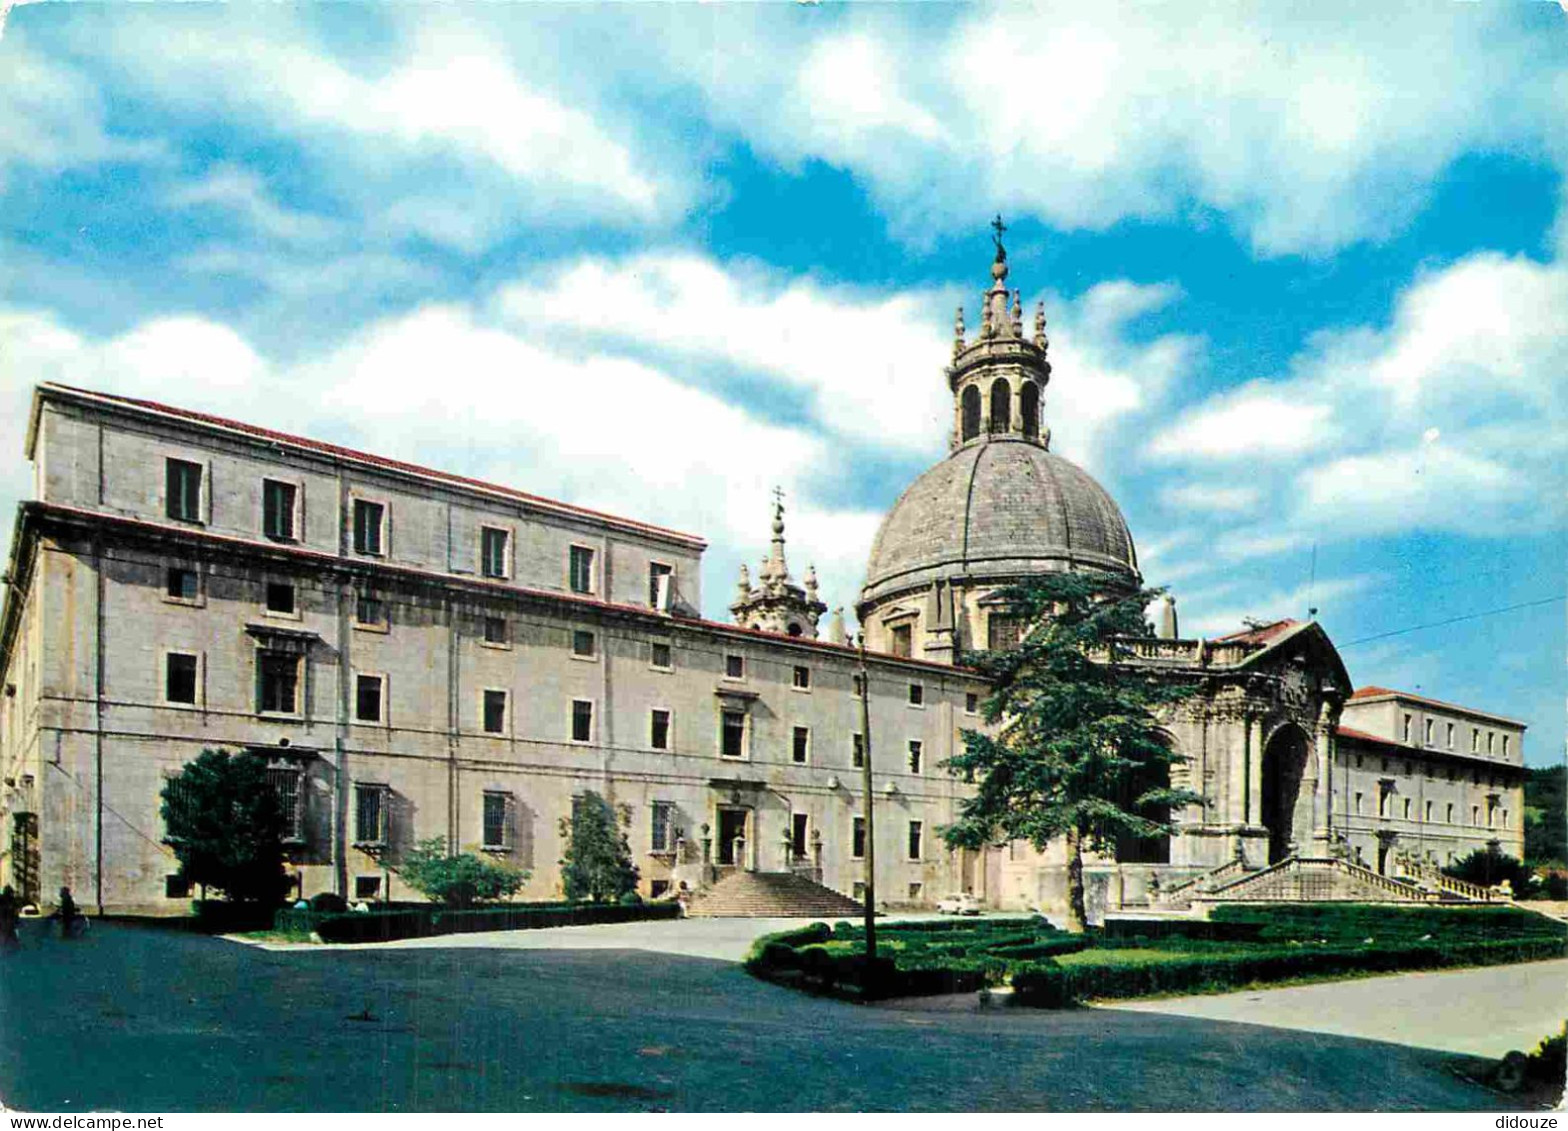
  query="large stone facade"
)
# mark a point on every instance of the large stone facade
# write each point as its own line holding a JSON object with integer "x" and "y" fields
{"x": 422, "y": 655}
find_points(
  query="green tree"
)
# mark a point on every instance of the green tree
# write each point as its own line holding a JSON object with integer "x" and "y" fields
{"x": 1545, "y": 820}
{"x": 223, "y": 821}
{"x": 598, "y": 864}
{"x": 1490, "y": 866}
{"x": 458, "y": 881}
{"x": 1078, "y": 752}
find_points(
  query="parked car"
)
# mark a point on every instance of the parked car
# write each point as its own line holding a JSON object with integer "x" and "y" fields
{"x": 960, "y": 904}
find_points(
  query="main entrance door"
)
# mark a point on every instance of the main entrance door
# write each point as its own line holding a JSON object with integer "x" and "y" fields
{"x": 732, "y": 826}
{"x": 1284, "y": 767}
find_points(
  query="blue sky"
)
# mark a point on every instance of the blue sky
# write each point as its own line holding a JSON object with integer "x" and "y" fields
{"x": 1307, "y": 273}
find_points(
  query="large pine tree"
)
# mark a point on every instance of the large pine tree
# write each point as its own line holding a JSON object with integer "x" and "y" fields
{"x": 1077, "y": 752}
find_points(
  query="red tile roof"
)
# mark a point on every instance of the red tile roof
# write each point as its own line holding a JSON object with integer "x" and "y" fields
{"x": 1372, "y": 691}
{"x": 1260, "y": 635}
{"x": 381, "y": 462}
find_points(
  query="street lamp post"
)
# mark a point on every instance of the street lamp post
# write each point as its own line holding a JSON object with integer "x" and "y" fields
{"x": 870, "y": 853}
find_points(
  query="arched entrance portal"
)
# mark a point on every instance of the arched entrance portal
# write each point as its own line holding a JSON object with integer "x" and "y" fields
{"x": 1284, "y": 768}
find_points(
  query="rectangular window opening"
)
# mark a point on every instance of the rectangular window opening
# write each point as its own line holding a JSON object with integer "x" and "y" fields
{"x": 183, "y": 584}
{"x": 661, "y": 578}
{"x": 734, "y": 666}
{"x": 582, "y": 720}
{"x": 494, "y": 712}
{"x": 857, "y": 751}
{"x": 370, "y": 814}
{"x": 179, "y": 682}
{"x": 369, "y": 518}
{"x": 496, "y": 805}
{"x": 280, "y": 597}
{"x": 857, "y": 848}
{"x": 917, "y": 695}
{"x": 661, "y": 655}
{"x": 492, "y": 552}
{"x": 279, "y": 677}
{"x": 278, "y": 501}
{"x": 916, "y": 752}
{"x": 182, "y": 490}
{"x": 733, "y": 734}
{"x": 660, "y": 838}
{"x": 580, "y": 569}
{"x": 659, "y": 729}
{"x": 583, "y": 645}
{"x": 495, "y": 630}
{"x": 801, "y": 679}
{"x": 368, "y": 698}
{"x": 801, "y": 745}
{"x": 916, "y": 840}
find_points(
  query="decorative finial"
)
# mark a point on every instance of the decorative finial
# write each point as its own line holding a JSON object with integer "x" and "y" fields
{"x": 1040, "y": 339}
{"x": 999, "y": 265}
{"x": 778, "y": 512}
{"x": 743, "y": 586}
{"x": 811, "y": 582}
{"x": 958, "y": 332}
{"x": 1018, "y": 314}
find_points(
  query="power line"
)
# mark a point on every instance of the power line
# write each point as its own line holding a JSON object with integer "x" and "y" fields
{"x": 1454, "y": 620}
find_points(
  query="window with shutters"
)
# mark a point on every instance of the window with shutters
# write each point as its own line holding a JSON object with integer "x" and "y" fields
{"x": 278, "y": 503}
{"x": 493, "y": 552}
{"x": 369, "y": 527}
{"x": 182, "y": 490}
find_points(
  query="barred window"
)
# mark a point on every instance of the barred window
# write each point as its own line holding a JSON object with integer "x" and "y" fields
{"x": 661, "y": 839}
{"x": 285, "y": 782}
{"x": 496, "y": 806}
{"x": 370, "y": 814}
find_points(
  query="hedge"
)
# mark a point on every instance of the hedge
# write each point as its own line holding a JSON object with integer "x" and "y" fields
{"x": 384, "y": 926}
{"x": 1052, "y": 984}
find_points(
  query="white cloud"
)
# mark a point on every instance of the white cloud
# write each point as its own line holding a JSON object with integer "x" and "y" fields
{"x": 1252, "y": 422}
{"x": 1204, "y": 617}
{"x": 242, "y": 192}
{"x": 1212, "y": 497}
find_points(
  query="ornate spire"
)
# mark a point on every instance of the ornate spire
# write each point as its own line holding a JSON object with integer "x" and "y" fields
{"x": 777, "y": 604}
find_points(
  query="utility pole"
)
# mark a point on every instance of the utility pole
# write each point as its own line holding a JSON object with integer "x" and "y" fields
{"x": 865, "y": 783}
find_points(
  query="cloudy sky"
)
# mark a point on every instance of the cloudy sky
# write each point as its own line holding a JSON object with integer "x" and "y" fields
{"x": 1307, "y": 274}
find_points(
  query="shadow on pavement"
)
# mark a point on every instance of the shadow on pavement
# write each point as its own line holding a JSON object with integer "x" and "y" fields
{"x": 140, "y": 1019}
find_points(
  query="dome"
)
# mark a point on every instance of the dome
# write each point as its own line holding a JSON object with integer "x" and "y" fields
{"x": 996, "y": 510}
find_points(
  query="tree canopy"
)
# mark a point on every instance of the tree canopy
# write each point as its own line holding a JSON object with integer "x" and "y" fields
{"x": 1078, "y": 752}
{"x": 598, "y": 863}
{"x": 459, "y": 880}
{"x": 225, "y": 824}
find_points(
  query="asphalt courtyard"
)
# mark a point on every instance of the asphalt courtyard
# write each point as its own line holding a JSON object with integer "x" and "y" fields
{"x": 640, "y": 1017}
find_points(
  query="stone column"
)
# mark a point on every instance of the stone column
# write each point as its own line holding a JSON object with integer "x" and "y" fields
{"x": 1016, "y": 425}
{"x": 1323, "y": 796}
{"x": 1255, "y": 771}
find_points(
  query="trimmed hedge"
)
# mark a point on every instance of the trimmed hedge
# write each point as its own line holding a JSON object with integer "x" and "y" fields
{"x": 385, "y": 926}
{"x": 1135, "y": 932}
{"x": 1051, "y": 984}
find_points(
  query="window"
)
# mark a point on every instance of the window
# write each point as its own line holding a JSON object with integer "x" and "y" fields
{"x": 917, "y": 695}
{"x": 1429, "y": 725}
{"x": 582, "y": 720}
{"x": 916, "y": 836}
{"x": 859, "y": 890}
{"x": 370, "y": 612}
{"x": 182, "y": 490}
{"x": 582, "y": 644}
{"x": 661, "y": 656}
{"x": 660, "y": 838}
{"x": 800, "y": 749}
{"x": 580, "y": 569}
{"x": 183, "y": 584}
{"x": 734, "y": 666}
{"x": 1002, "y": 633}
{"x": 801, "y": 680}
{"x": 278, "y": 675}
{"x": 1428, "y": 813}
{"x": 367, "y": 887}
{"x": 1505, "y": 818}
{"x": 971, "y": 702}
{"x": 1407, "y": 808}
{"x": 1385, "y": 799}
{"x": 915, "y": 752}
{"x": 1449, "y": 735}
{"x": 1449, "y": 816}
{"x": 857, "y": 751}
{"x": 496, "y": 805}
{"x": 495, "y": 631}
{"x": 176, "y": 887}
{"x": 369, "y": 519}
{"x": 797, "y": 835}
{"x": 179, "y": 678}
{"x": 492, "y": 551}
{"x": 370, "y": 814}
{"x": 657, "y": 574}
{"x": 494, "y": 712}
{"x": 368, "y": 698}
{"x": 732, "y": 734}
{"x": 1475, "y": 815}
{"x": 1358, "y": 803}
{"x": 903, "y": 640}
{"x": 1490, "y": 737}
{"x": 659, "y": 729}
{"x": 280, "y": 598}
{"x": 1475, "y": 740}
{"x": 277, "y": 509}
{"x": 285, "y": 782}
{"x": 917, "y": 892}
{"x": 857, "y": 846}
{"x": 1407, "y": 728}
{"x": 1505, "y": 746}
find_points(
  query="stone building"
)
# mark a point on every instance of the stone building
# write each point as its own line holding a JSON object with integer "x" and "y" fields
{"x": 419, "y": 654}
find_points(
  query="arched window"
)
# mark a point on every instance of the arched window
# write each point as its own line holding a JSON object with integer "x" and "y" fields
{"x": 1029, "y": 409}
{"x": 1001, "y": 406}
{"x": 970, "y": 408}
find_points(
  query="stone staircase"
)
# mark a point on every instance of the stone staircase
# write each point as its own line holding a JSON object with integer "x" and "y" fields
{"x": 770, "y": 895}
{"x": 1329, "y": 879}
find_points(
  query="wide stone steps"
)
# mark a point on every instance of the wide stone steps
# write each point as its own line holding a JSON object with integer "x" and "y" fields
{"x": 770, "y": 895}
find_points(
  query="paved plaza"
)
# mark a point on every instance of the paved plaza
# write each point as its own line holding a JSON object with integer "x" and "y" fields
{"x": 648, "y": 1016}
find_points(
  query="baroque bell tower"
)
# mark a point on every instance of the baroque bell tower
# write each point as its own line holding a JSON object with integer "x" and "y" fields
{"x": 776, "y": 603}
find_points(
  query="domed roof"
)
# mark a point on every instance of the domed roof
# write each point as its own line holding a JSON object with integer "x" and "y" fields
{"x": 998, "y": 509}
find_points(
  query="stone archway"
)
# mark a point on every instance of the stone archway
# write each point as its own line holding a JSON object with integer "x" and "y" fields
{"x": 1284, "y": 798}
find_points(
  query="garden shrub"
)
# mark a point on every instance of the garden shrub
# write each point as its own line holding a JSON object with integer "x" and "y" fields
{"x": 328, "y": 902}
{"x": 383, "y": 926}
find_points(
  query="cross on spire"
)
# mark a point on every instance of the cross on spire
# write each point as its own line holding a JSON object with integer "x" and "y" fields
{"x": 998, "y": 228}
